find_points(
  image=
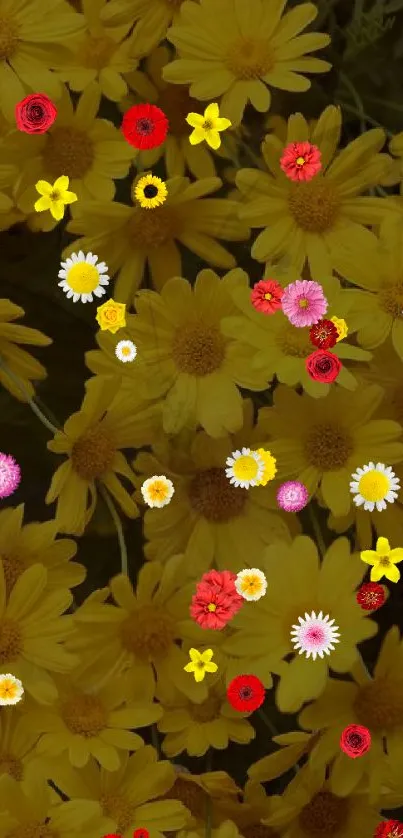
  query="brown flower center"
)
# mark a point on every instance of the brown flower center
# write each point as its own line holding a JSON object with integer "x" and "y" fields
{"x": 152, "y": 229}
{"x": 10, "y": 641}
{"x": 314, "y": 205}
{"x": 12, "y": 766}
{"x": 391, "y": 299}
{"x": 70, "y": 152}
{"x": 213, "y": 497}
{"x": 324, "y": 815}
{"x": 92, "y": 454}
{"x": 176, "y": 104}
{"x": 33, "y": 829}
{"x": 259, "y": 830}
{"x": 379, "y": 704}
{"x": 119, "y": 809}
{"x": 198, "y": 348}
{"x": 190, "y": 794}
{"x": 8, "y": 38}
{"x": 148, "y": 632}
{"x": 249, "y": 58}
{"x": 207, "y": 710}
{"x": 84, "y": 715}
{"x": 328, "y": 447}
{"x": 96, "y": 53}
{"x": 294, "y": 342}
{"x": 13, "y": 566}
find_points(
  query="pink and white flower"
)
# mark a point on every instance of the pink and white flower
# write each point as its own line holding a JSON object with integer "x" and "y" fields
{"x": 304, "y": 302}
{"x": 315, "y": 636}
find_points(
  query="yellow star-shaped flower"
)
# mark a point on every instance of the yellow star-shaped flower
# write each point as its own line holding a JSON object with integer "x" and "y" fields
{"x": 200, "y": 663}
{"x": 207, "y": 126}
{"x": 384, "y": 560}
{"x": 54, "y": 196}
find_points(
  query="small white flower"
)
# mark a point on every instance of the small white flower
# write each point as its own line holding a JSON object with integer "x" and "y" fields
{"x": 11, "y": 689}
{"x": 315, "y": 635}
{"x": 245, "y": 468}
{"x": 82, "y": 277}
{"x": 374, "y": 486}
{"x": 126, "y": 351}
{"x": 157, "y": 491}
{"x": 251, "y": 584}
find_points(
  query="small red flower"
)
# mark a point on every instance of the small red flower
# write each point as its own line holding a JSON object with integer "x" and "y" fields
{"x": 141, "y": 833}
{"x": 389, "y": 829}
{"x": 266, "y": 296}
{"x": 371, "y": 596}
{"x": 145, "y": 126}
{"x": 35, "y": 114}
{"x": 216, "y": 600}
{"x": 323, "y": 366}
{"x": 323, "y": 334}
{"x": 246, "y": 693}
{"x": 355, "y": 741}
{"x": 301, "y": 161}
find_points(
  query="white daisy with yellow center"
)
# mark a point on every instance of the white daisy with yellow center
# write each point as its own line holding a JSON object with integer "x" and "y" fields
{"x": 157, "y": 491}
{"x": 82, "y": 277}
{"x": 126, "y": 351}
{"x": 11, "y": 690}
{"x": 251, "y": 584}
{"x": 245, "y": 468}
{"x": 373, "y": 486}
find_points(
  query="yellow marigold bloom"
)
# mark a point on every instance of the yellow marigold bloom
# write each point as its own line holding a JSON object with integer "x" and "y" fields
{"x": 299, "y": 584}
{"x": 32, "y": 37}
{"x": 383, "y": 560}
{"x": 239, "y": 51}
{"x": 331, "y": 438}
{"x": 32, "y": 633}
{"x": 55, "y": 197}
{"x": 18, "y": 361}
{"x": 200, "y": 663}
{"x": 91, "y": 439}
{"x": 22, "y": 545}
{"x": 374, "y": 702}
{"x": 132, "y": 797}
{"x": 129, "y": 237}
{"x": 311, "y": 222}
{"x": 111, "y": 316}
{"x": 207, "y": 126}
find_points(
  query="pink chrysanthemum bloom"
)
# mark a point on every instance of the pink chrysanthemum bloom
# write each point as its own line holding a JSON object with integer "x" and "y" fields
{"x": 292, "y": 496}
{"x": 10, "y": 475}
{"x": 301, "y": 161}
{"x": 304, "y": 302}
{"x": 216, "y": 600}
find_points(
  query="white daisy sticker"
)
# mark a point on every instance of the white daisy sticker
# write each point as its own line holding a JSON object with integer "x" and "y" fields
{"x": 126, "y": 351}
{"x": 374, "y": 486}
{"x": 245, "y": 468}
{"x": 82, "y": 277}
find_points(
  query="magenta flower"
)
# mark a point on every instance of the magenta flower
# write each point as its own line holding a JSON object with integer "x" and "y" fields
{"x": 292, "y": 496}
{"x": 301, "y": 161}
{"x": 304, "y": 302}
{"x": 10, "y": 475}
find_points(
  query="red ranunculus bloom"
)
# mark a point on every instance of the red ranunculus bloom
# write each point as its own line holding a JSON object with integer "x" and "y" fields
{"x": 35, "y": 114}
{"x": 355, "y": 740}
{"x": 141, "y": 833}
{"x": 371, "y": 596}
{"x": 323, "y": 334}
{"x": 389, "y": 829}
{"x": 301, "y": 161}
{"x": 266, "y": 296}
{"x": 246, "y": 693}
{"x": 216, "y": 600}
{"x": 145, "y": 126}
{"x": 323, "y": 366}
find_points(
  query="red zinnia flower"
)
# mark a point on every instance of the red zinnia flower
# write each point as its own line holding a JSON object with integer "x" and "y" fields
{"x": 355, "y": 740}
{"x": 246, "y": 693}
{"x": 323, "y": 334}
{"x": 141, "y": 833}
{"x": 266, "y": 296}
{"x": 35, "y": 114}
{"x": 389, "y": 829}
{"x": 301, "y": 161}
{"x": 323, "y": 366}
{"x": 216, "y": 600}
{"x": 145, "y": 126}
{"x": 371, "y": 596}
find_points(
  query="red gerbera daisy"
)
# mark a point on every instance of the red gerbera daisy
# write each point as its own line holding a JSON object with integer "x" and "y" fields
{"x": 145, "y": 126}
{"x": 371, "y": 596}
{"x": 266, "y": 296}
{"x": 301, "y": 161}
{"x": 355, "y": 740}
{"x": 389, "y": 829}
{"x": 246, "y": 693}
{"x": 323, "y": 334}
{"x": 216, "y": 600}
{"x": 141, "y": 833}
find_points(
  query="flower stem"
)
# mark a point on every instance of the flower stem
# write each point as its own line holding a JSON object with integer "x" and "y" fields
{"x": 34, "y": 407}
{"x": 118, "y": 524}
{"x": 317, "y": 531}
{"x": 269, "y": 724}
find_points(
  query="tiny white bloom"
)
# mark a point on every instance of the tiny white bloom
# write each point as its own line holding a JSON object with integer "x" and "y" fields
{"x": 157, "y": 491}
{"x": 245, "y": 468}
{"x": 251, "y": 584}
{"x": 373, "y": 486}
{"x": 82, "y": 277}
{"x": 315, "y": 635}
{"x": 11, "y": 689}
{"x": 126, "y": 351}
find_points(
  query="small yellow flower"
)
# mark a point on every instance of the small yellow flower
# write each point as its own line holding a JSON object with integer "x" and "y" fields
{"x": 200, "y": 663}
{"x": 54, "y": 196}
{"x": 383, "y": 561}
{"x": 111, "y": 316}
{"x": 270, "y": 467}
{"x": 157, "y": 491}
{"x": 11, "y": 690}
{"x": 207, "y": 126}
{"x": 341, "y": 327}
{"x": 251, "y": 584}
{"x": 150, "y": 191}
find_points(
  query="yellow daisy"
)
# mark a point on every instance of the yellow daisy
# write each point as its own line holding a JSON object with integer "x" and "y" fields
{"x": 376, "y": 703}
{"x": 396, "y": 148}
{"x": 152, "y": 19}
{"x": 207, "y": 126}
{"x": 200, "y": 663}
{"x": 54, "y": 197}
{"x": 293, "y": 746}
{"x": 239, "y": 51}
{"x": 91, "y": 439}
{"x": 32, "y": 38}
{"x": 129, "y": 237}
{"x": 383, "y": 560}
{"x": 299, "y": 584}
{"x": 17, "y": 360}
{"x": 32, "y": 632}
{"x": 8, "y": 177}
{"x": 311, "y": 222}
{"x": 18, "y": 757}
{"x": 331, "y": 438}
{"x": 22, "y": 545}
{"x": 216, "y": 788}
